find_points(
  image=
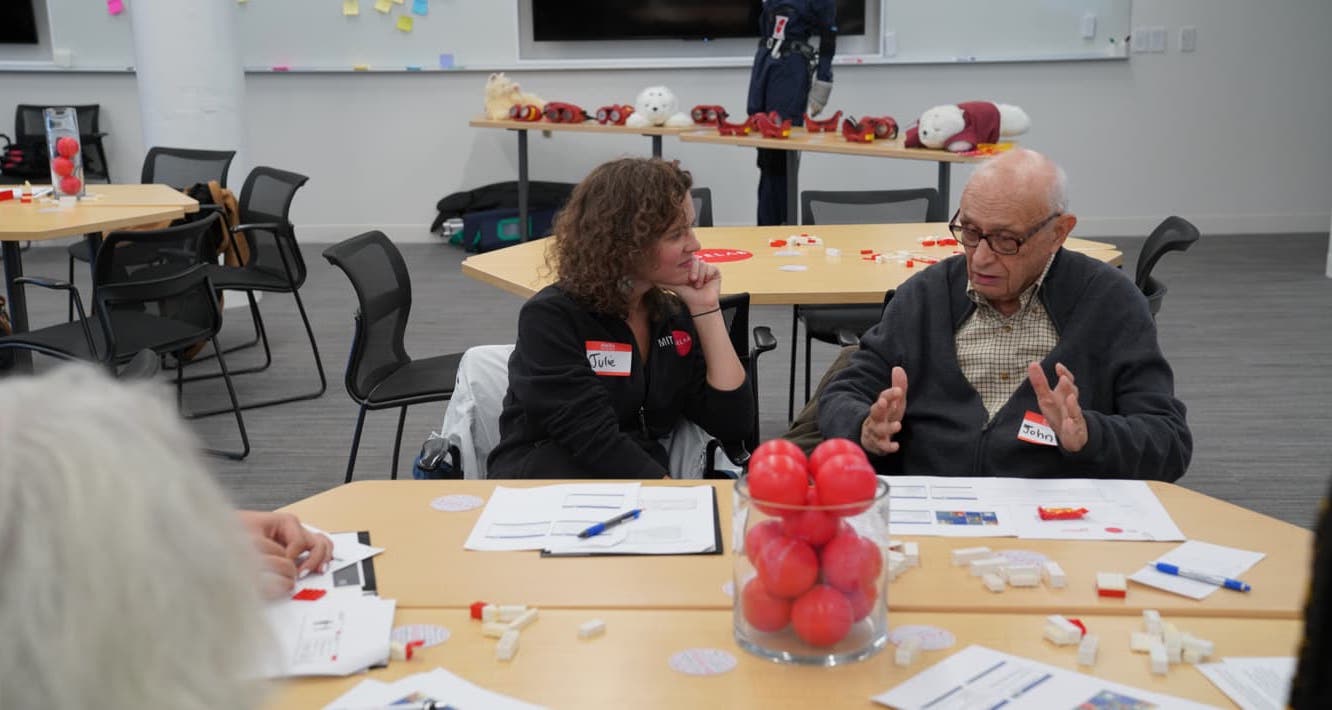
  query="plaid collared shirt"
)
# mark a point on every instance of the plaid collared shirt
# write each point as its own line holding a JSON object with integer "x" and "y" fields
{"x": 994, "y": 350}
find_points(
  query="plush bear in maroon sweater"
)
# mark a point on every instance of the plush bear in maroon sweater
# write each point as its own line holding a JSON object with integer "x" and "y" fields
{"x": 962, "y": 127}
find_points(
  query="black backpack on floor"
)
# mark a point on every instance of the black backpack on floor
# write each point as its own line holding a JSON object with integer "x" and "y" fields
{"x": 502, "y": 195}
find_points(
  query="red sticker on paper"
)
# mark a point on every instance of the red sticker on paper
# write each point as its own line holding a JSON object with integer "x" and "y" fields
{"x": 717, "y": 256}
{"x": 308, "y": 595}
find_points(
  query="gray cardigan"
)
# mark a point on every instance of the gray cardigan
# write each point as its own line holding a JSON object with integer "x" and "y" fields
{"x": 1107, "y": 338}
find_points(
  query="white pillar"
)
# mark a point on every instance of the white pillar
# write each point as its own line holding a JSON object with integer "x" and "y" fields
{"x": 190, "y": 77}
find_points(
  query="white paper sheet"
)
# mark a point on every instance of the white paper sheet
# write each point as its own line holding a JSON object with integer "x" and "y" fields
{"x": 1006, "y": 507}
{"x": 1201, "y": 557}
{"x": 347, "y": 551}
{"x": 979, "y": 677}
{"x": 438, "y": 685}
{"x": 1253, "y": 683}
{"x": 532, "y": 518}
{"x": 340, "y": 634}
{"x": 675, "y": 520}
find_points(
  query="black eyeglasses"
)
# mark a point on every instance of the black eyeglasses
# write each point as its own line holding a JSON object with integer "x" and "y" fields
{"x": 1001, "y": 243}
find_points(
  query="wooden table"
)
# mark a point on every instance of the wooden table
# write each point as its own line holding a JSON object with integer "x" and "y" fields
{"x": 107, "y": 207}
{"x": 425, "y": 565}
{"x": 845, "y": 279}
{"x": 628, "y": 666}
{"x": 802, "y": 141}
{"x": 522, "y": 127}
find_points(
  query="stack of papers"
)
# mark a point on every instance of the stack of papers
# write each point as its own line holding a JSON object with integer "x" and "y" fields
{"x": 675, "y": 520}
{"x": 439, "y": 686}
{"x": 1253, "y": 683}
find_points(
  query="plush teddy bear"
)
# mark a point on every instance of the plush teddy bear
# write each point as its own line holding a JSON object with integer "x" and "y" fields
{"x": 657, "y": 106}
{"x": 961, "y": 127}
{"x": 503, "y": 93}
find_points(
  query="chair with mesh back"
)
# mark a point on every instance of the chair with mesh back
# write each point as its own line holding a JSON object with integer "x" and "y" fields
{"x": 831, "y": 323}
{"x": 380, "y": 373}
{"x": 1173, "y": 234}
{"x": 30, "y": 122}
{"x": 274, "y": 265}
{"x": 702, "y": 198}
{"x": 735, "y": 311}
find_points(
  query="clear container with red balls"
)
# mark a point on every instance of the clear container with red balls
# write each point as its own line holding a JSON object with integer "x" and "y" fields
{"x": 811, "y": 538}
{"x": 62, "y": 139}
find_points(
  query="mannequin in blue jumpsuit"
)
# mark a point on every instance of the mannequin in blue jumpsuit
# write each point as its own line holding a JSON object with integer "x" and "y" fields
{"x": 781, "y": 82}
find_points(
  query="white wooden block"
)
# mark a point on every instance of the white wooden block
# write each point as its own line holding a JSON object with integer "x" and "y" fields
{"x": 489, "y": 612}
{"x": 1174, "y": 642}
{"x": 895, "y": 556}
{"x": 1192, "y": 657}
{"x": 1024, "y": 579}
{"x": 591, "y": 629}
{"x": 987, "y": 565}
{"x": 1053, "y": 575}
{"x": 1009, "y": 570}
{"x": 895, "y": 544}
{"x": 1200, "y": 646}
{"x": 895, "y": 568}
{"x": 912, "y": 552}
{"x": 507, "y": 612}
{"x": 493, "y": 629}
{"x": 964, "y": 555}
{"x": 907, "y": 651}
{"x": 1157, "y": 652}
{"x": 1111, "y": 584}
{"x": 1061, "y": 631}
{"x": 524, "y": 619}
{"x": 1087, "y": 650}
{"x": 993, "y": 582}
{"x": 1151, "y": 621}
{"x": 397, "y": 650}
{"x": 507, "y": 647}
{"x": 1141, "y": 642}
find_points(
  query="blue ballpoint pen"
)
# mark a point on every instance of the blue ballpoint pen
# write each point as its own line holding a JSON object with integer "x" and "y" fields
{"x": 1216, "y": 579}
{"x": 603, "y": 527}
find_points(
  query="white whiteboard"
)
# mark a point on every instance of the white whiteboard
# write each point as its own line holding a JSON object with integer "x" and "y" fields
{"x": 496, "y": 34}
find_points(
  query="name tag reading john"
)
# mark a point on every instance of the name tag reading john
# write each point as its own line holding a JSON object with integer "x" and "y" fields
{"x": 610, "y": 359}
{"x": 1035, "y": 430}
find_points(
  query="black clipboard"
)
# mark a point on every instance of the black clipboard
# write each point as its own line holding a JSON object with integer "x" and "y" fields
{"x": 716, "y": 541}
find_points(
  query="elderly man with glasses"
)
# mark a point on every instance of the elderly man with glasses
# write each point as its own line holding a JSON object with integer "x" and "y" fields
{"x": 1019, "y": 358}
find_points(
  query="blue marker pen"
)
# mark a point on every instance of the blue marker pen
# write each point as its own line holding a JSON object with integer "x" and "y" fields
{"x": 1216, "y": 579}
{"x": 603, "y": 527}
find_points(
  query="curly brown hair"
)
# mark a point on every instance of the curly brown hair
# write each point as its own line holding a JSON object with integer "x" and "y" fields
{"x": 609, "y": 229}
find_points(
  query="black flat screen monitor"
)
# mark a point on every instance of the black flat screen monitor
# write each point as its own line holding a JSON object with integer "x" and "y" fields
{"x": 18, "y": 22}
{"x": 590, "y": 20}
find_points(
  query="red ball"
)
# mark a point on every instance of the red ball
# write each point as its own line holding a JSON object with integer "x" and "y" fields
{"x": 63, "y": 167}
{"x": 779, "y": 447}
{"x": 777, "y": 479}
{"x": 787, "y": 567}
{"x": 850, "y": 561}
{"x": 815, "y": 527}
{"x": 831, "y": 448}
{"x": 822, "y": 616}
{"x": 70, "y": 185}
{"x": 759, "y": 536}
{"x": 762, "y": 610}
{"x": 67, "y": 146}
{"x": 844, "y": 479}
{"x": 862, "y": 600}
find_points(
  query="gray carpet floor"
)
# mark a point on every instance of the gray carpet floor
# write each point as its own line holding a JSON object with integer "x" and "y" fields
{"x": 1246, "y": 325}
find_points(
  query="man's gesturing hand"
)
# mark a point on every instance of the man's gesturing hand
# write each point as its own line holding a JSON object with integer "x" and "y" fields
{"x": 885, "y": 417}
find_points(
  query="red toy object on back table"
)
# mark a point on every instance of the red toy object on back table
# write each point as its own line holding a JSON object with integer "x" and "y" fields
{"x": 771, "y": 125}
{"x": 857, "y": 132}
{"x": 614, "y": 115}
{"x": 827, "y": 125}
{"x": 726, "y": 128}
{"x": 525, "y": 112}
{"x": 561, "y": 112}
{"x": 707, "y": 114}
{"x": 885, "y": 128}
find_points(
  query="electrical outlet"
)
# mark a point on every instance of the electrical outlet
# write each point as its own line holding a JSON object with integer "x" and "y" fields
{"x": 1140, "y": 41}
{"x": 1089, "y": 26}
{"x": 1188, "y": 38}
{"x": 1158, "y": 40}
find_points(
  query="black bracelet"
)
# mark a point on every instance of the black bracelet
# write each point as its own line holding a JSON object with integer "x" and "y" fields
{"x": 704, "y": 313}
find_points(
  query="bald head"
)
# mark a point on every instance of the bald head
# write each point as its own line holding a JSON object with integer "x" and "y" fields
{"x": 1023, "y": 174}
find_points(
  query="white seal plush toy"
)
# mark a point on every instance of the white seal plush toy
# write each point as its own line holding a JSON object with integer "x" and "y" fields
{"x": 657, "y": 106}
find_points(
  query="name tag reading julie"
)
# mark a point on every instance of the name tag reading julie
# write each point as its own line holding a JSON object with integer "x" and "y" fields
{"x": 610, "y": 359}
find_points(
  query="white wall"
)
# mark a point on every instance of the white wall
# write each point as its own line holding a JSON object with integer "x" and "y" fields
{"x": 1234, "y": 136}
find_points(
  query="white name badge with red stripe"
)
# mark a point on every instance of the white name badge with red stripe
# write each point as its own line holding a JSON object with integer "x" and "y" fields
{"x": 779, "y": 27}
{"x": 610, "y": 359}
{"x": 1035, "y": 430}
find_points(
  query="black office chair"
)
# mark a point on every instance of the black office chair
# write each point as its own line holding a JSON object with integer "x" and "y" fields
{"x": 274, "y": 265}
{"x": 380, "y": 373}
{"x": 735, "y": 311}
{"x": 151, "y": 293}
{"x": 702, "y": 198}
{"x": 831, "y": 323}
{"x": 30, "y": 123}
{"x": 1172, "y": 234}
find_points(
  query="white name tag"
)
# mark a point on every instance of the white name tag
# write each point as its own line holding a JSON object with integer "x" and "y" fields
{"x": 610, "y": 359}
{"x": 779, "y": 27}
{"x": 1035, "y": 430}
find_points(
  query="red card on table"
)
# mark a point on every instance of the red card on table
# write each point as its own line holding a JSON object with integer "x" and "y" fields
{"x": 308, "y": 595}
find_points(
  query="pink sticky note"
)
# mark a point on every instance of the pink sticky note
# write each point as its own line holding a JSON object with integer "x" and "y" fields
{"x": 115, "y": 7}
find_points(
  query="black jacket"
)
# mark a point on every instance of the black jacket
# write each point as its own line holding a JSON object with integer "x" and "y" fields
{"x": 1107, "y": 338}
{"x": 563, "y": 420}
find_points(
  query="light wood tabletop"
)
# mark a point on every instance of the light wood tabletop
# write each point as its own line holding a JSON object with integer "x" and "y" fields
{"x": 848, "y": 278}
{"x": 627, "y": 667}
{"x": 584, "y": 127}
{"x": 425, "y": 565}
{"x": 805, "y": 142}
{"x": 107, "y": 207}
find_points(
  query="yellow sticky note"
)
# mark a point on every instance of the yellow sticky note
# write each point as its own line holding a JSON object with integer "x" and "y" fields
{"x": 351, "y": 7}
{"x": 405, "y": 23}
{"x": 383, "y": 5}
{"x": 360, "y": 67}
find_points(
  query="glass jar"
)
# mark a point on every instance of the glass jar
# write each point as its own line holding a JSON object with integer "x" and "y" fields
{"x": 66, "y": 151}
{"x": 811, "y": 580}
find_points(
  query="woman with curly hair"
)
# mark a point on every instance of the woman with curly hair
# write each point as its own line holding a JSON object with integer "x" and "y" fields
{"x": 628, "y": 346}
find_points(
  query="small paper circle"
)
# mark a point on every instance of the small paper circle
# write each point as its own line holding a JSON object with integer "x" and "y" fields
{"x": 729, "y": 589}
{"x": 932, "y": 638}
{"x": 429, "y": 633}
{"x": 793, "y": 267}
{"x": 1023, "y": 557}
{"x": 702, "y": 661}
{"x": 456, "y": 503}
